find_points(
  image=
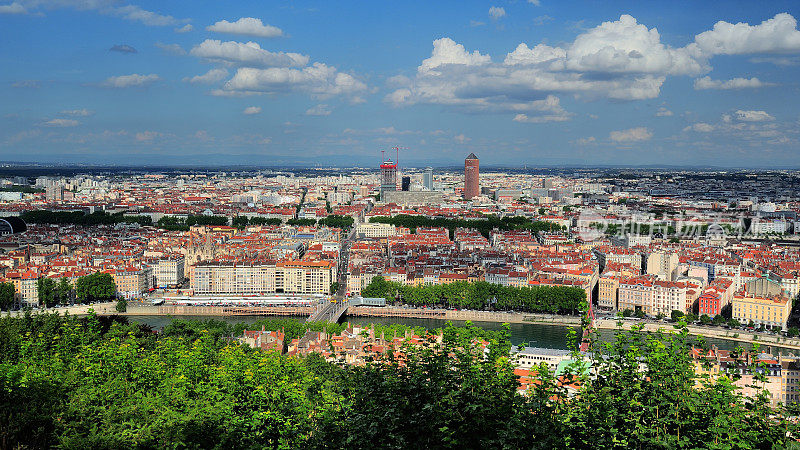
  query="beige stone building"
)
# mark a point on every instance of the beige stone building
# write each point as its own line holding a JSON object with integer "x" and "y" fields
{"x": 296, "y": 277}
{"x": 764, "y": 302}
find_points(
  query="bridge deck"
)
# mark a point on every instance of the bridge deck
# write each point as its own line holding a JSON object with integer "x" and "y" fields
{"x": 329, "y": 312}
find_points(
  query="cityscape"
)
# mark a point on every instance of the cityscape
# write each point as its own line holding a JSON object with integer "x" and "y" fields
{"x": 330, "y": 254}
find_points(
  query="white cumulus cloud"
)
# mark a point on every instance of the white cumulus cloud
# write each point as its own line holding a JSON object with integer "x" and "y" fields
{"x": 135, "y": 13}
{"x": 541, "y": 53}
{"x": 114, "y": 8}
{"x": 735, "y": 83}
{"x": 184, "y": 29}
{"x": 173, "y": 49}
{"x": 548, "y": 110}
{"x": 619, "y": 59}
{"x": 251, "y": 110}
{"x": 631, "y": 135}
{"x": 663, "y": 112}
{"x": 246, "y": 54}
{"x": 319, "y": 110}
{"x": 77, "y": 112}
{"x": 626, "y": 46}
{"x": 210, "y": 77}
{"x": 496, "y": 12}
{"x": 133, "y": 80}
{"x": 248, "y": 26}
{"x": 700, "y": 127}
{"x": 447, "y": 52}
{"x": 13, "y": 8}
{"x": 776, "y": 35}
{"x": 319, "y": 80}
{"x": 61, "y": 123}
{"x": 753, "y": 116}
{"x": 523, "y": 118}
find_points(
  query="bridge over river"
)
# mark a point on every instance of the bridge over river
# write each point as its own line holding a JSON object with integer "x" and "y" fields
{"x": 328, "y": 312}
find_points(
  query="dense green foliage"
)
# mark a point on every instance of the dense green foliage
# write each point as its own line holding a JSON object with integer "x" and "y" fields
{"x": 335, "y": 221}
{"x": 302, "y": 222}
{"x": 646, "y": 394}
{"x": 81, "y": 218}
{"x": 46, "y": 290}
{"x": 102, "y": 383}
{"x": 7, "y": 292}
{"x": 332, "y": 221}
{"x": 482, "y": 295}
{"x": 484, "y": 226}
{"x": 219, "y": 329}
{"x": 52, "y": 293}
{"x": 243, "y": 221}
{"x": 95, "y": 287}
{"x": 64, "y": 292}
{"x": 176, "y": 223}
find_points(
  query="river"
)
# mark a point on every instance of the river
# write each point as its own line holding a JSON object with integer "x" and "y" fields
{"x": 530, "y": 334}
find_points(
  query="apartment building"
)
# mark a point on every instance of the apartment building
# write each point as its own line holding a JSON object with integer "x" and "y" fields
{"x": 305, "y": 277}
{"x": 608, "y": 284}
{"x": 662, "y": 264}
{"x": 716, "y": 296}
{"x": 24, "y": 282}
{"x": 376, "y": 230}
{"x": 608, "y": 290}
{"x": 606, "y": 255}
{"x": 668, "y": 296}
{"x": 636, "y": 293}
{"x": 296, "y": 277}
{"x": 169, "y": 272}
{"x": 772, "y": 311}
{"x": 132, "y": 281}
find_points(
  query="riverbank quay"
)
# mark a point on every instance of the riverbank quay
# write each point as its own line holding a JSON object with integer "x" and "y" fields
{"x": 475, "y": 316}
{"x": 357, "y": 311}
{"x": 105, "y": 308}
{"x": 709, "y": 332}
{"x": 175, "y": 310}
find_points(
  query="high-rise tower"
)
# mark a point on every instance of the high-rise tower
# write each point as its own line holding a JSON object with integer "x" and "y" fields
{"x": 427, "y": 179}
{"x": 472, "y": 186}
{"x": 405, "y": 185}
{"x": 388, "y": 176}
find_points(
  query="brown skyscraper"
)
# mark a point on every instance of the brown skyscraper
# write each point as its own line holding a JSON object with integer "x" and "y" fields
{"x": 472, "y": 186}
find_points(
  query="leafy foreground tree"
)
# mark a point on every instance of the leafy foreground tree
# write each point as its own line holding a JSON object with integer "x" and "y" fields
{"x": 7, "y": 292}
{"x": 641, "y": 391}
{"x": 63, "y": 291}
{"x": 46, "y": 290}
{"x": 103, "y": 383}
{"x": 95, "y": 287}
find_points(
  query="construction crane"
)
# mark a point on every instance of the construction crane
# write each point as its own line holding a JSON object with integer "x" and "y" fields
{"x": 397, "y": 150}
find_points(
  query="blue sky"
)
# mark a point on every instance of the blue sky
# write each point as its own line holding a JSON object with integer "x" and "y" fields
{"x": 540, "y": 83}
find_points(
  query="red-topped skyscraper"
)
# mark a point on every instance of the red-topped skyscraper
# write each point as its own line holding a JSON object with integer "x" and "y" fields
{"x": 472, "y": 186}
{"x": 388, "y": 177}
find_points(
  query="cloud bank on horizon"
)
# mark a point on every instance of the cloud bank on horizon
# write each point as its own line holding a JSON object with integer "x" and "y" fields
{"x": 290, "y": 87}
